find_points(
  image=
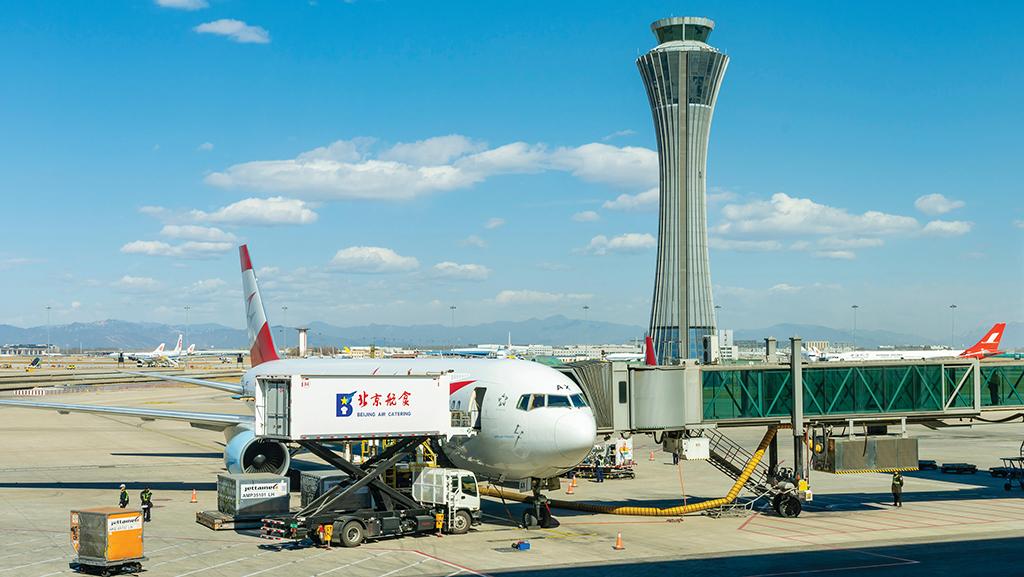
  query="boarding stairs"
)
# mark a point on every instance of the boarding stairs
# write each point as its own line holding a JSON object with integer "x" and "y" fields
{"x": 730, "y": 457}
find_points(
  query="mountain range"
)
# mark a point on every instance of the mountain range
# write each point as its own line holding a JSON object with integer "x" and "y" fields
{"x": 553, "y": 330}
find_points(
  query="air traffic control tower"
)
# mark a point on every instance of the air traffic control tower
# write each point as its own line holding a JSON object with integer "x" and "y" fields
{"x": 682, "y": 75}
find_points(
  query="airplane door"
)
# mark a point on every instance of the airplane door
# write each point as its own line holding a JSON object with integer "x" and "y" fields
{"x": 476, "y": 408}
{"x": 275, "y": 395}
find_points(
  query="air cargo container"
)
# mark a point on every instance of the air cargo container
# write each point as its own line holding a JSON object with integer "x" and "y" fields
{"x": 107, "y": 538}
{"x": 324, "y": 408}
{"x": 252, "y": 494}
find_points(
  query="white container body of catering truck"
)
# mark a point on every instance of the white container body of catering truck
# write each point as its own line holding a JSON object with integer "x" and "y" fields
{"x": 326, "y": 407}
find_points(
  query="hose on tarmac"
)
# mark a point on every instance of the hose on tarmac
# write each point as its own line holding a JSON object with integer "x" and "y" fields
{"x": 655, "y": 511}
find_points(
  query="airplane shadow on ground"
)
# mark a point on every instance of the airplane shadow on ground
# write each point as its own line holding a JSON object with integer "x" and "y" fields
{"x": 112, "y": 485}
{"x": 962, "y": 558}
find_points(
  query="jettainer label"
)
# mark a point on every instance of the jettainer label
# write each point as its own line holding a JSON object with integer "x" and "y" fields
{"x": 115, "y": 524}
{"x": 263, "y": 490}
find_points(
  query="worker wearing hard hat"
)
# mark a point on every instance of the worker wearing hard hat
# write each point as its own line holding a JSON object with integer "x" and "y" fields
{"x": 124, "y": 497}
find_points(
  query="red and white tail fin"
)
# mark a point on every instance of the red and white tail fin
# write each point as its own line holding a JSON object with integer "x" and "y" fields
{"x": 159, "y": 349}
{"x": 260, "y": 341}
{"x": 988, "y": 345}
{"x": 649, "y": 351}
{"x": 191, "y": 349}
{"x": 177, "y": 347}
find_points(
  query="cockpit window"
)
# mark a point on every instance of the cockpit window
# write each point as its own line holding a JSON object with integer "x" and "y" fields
{"x": 558, "y": 401}
{"x": 524, "y": 403}
{"x": 537, "y": 402}
{"x": 579, "y": 401}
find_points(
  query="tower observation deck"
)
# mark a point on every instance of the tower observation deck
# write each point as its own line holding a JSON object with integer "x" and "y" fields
{"x": 682, "y": 75}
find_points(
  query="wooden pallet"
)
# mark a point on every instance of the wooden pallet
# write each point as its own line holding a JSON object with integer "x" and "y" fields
{"x": 221, "y": 522}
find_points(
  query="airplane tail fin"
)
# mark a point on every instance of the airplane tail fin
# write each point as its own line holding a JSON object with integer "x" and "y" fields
{"x": 260, "y": 340}
{"x": 161, "y": 348}
{"x": 191, "y": 349}
{"x": 177, "y": 347}
{"x": 988, "y": 345}
{"x": 649, "y": 351}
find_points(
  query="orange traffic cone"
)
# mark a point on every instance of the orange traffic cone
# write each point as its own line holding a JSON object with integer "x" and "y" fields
{"x": 569, "y": 491}
{"x": 651, "y": 457}
{"x": 195, "y": 499}
{"x": 574, "y": 480}
{"x": 618, "y": 542}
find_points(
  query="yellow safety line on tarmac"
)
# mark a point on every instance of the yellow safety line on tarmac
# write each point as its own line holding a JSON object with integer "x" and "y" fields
{"x": 655, "y": 511}
{"x": 889, "y": 470}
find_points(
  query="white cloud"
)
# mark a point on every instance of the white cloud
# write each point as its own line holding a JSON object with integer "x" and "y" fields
{"x": 260, "y": 211}
{"x": 586, "y": 216}
{"x": 372, "y": 259}
{"x": 1018, "y": 223}
{"x": 236, "y": 30}
{"x": 743, "y": 245}
{"x": 194, "y": 232}
{"x": 832, "y": 242}
{"x": 206, "y": 286}
{"x": 629, "y": 242}
{"x": 75, "y": 305}
{"x": 526, "y": 297}
{"x": 836, "y": 254}
{"x": 786, "y": 288}
{"x": 451, "y": 270}
{"x": 190, "y": 249}
{"x": 646, "y": 200}
{"x": 618, "y": 134}
{"x": 433, "y": 151}
{"x": 719, "y": 194}
{"x": 936, "y": 204}
{"x": 348, "y": 169}
{"x": 947, "y": 228}
{"x": 136, "y": 283}
{"x": 205, "y": 147}
{"x": 152, "y": 210}
{"x": 493, "y": 223}
{"x": 183, "y": 4}
{"x": 474, "y": 241}
{"x": 626, "y": 166}
{"x": 787, "y": 215}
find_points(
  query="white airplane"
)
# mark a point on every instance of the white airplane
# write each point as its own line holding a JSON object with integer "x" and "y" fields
{"x": 535, "y": 422}
{"x": 986, "y": 347}
{"x": 194, "y": 352}
{"x": 157, "y": 357}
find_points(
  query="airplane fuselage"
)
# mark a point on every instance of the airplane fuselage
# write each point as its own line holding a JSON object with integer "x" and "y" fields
{"x": 517, "y": 438}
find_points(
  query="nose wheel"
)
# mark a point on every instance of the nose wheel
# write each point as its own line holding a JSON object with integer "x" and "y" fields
{"x": 538, "y": 511}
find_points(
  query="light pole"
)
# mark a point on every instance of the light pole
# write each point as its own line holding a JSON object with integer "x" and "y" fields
{"x": 717, "y": 308}
{"x": 187, "y": 308}
{"x": 284, "y": 328}
{"x": 48, "y": 308}
{"x": 952, "y": 326}
{"x": 452, "y": 308}
{"x": 855, "y": 307}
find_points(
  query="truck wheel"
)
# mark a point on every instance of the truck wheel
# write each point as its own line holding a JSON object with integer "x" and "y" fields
{"x": 545, "y": 518}
{"x": 460, "y": 523}
{"x": 529, "y": 519}
{"x": 790, "y": 506}
{"x": 352, "y": 534}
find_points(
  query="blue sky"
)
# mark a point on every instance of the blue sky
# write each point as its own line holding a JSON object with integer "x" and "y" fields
{"x": 385, "y": 160}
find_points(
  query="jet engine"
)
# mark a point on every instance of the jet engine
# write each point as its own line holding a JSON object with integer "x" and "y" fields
{"x": 244, "y": 453}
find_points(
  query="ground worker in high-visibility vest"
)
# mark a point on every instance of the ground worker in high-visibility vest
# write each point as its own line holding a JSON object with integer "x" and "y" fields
{"x": 146, "y": 496}
{"x": 123, "y": 501}
{"x": 897, "y": 489}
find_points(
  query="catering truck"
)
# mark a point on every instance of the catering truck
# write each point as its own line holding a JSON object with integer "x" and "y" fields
{"x": 315, "y": 411}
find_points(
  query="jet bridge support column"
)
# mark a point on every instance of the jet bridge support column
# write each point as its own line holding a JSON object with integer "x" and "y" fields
{"x": 797, "y": 378}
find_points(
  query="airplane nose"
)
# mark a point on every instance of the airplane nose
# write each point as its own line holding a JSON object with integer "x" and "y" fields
{"x": 574, "y": 435}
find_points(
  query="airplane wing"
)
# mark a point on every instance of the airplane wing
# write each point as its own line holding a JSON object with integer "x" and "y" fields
{"x": 217, "y": 421}
{"x": 226, "y": 387}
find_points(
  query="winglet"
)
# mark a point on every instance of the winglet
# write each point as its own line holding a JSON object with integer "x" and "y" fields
{"x": 649, "y": 351}
{"x": 260, "y": 341}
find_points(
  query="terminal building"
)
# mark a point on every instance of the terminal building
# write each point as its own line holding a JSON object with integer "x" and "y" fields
{"x": 682, "y": 75}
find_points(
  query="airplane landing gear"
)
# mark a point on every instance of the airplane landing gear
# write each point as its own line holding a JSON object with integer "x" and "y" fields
{"x": 538, "y": 511}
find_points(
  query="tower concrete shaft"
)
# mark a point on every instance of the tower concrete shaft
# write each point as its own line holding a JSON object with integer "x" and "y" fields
{"x": 682, "y": 76}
